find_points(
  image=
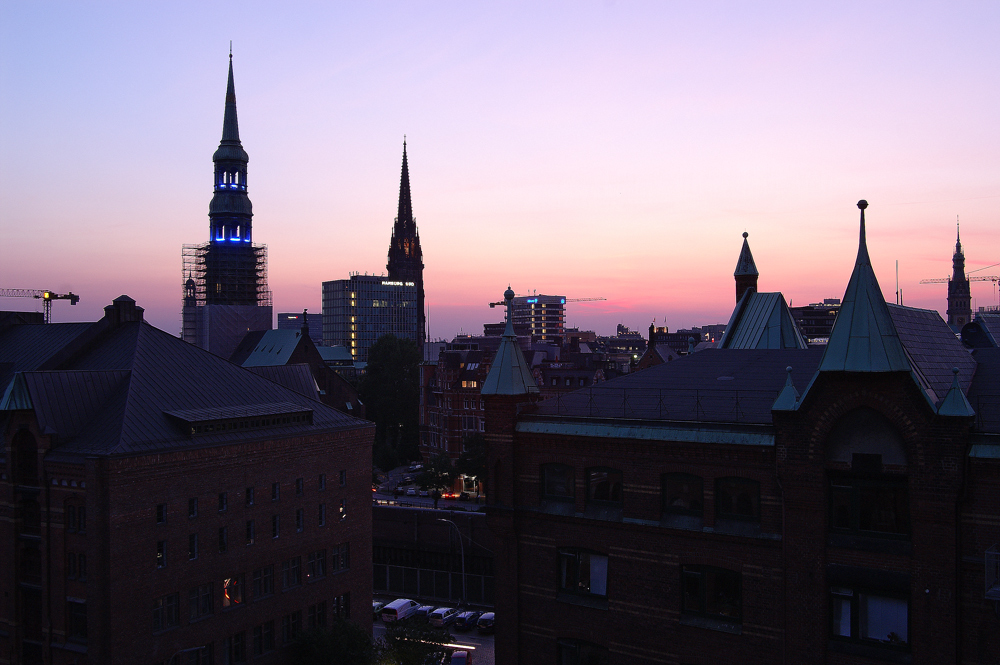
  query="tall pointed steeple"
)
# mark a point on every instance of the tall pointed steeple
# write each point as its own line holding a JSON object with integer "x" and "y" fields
{"x": 406, "y": 259}
{"x": 746, "y": 270}
{"x": 959, "y": 289}
{"x": 864, "y": 338}
{"x": 230, "y": 212}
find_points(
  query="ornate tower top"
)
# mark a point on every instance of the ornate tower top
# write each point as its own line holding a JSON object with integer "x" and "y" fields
{"x": 959, "y": 288}
{"x": 230, "y": 213}
{"x": 405, "y": 256}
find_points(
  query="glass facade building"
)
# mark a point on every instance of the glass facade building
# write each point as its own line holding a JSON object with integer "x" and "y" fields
{"x": 359, "y": 310}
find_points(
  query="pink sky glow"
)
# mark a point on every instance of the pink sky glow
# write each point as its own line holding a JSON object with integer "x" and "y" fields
{"x": 614, "y": 149}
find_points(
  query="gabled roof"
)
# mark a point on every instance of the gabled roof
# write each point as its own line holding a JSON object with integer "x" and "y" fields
{"x": 864, "y": 338}
{"x": 932, "y": 349}
{"x": 274, "y": 348}
{"x": 762, "y": 321}
{"x": 338, "y": 354}
{"x": 113, "y": 396}
{"x": 28, "y": 346}
{"x": 509, "y": 373}
{"x": 296, "y": 377}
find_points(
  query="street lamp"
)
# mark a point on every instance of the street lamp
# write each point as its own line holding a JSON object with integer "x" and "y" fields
{"x": 461, "y": 546}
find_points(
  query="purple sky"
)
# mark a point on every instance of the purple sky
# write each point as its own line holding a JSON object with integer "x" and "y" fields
{"x": 585, "y": 149}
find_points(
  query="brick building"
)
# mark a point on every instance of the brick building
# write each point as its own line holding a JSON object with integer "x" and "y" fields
{"x": 160, "y": 501}
{"x": 828, "y": 504}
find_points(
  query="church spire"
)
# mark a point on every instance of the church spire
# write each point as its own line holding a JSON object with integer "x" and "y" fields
{"x": 405, "y": 256}
{"x": 746, "y": 270}
{"x": 959, "y": 289}
{"x": 404, "y": 216}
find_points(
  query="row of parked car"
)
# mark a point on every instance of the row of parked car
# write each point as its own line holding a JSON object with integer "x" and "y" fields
{"x": 439, "y": 617}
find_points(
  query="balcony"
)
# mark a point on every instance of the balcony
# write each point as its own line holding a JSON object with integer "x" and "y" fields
{"x": 993, "y": 573}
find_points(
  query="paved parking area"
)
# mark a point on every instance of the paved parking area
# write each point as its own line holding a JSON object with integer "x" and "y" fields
{"x": 482, "y": 645}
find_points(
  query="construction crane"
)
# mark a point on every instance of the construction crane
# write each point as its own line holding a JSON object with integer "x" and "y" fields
{"x": 46, "y": 296}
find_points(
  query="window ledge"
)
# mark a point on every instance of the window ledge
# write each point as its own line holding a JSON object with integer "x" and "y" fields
{"x": 76, "y": 647}
{"x": 597, "y": 602}
{"x": 713, "y": 623}
{"x": 875, "y": 651}
{"x": 853, "y": 541}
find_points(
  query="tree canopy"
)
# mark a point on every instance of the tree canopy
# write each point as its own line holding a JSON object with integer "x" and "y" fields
{"x": 390, "y": 390}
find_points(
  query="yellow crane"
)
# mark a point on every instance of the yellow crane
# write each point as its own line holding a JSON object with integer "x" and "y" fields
{"x": 46, "y": 295}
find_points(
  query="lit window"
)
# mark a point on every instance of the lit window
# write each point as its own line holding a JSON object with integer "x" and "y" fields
{"x": 161, "y": 554}
{"x": 232, "y": 591}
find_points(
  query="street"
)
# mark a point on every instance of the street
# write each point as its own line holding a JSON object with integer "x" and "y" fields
{"x": 480, "y": 645}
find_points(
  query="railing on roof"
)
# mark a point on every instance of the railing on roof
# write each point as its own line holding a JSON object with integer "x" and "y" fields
{"x": 987, "y": 409}
{"x": 716, "y": 405}
{"x": 993, "y": 573}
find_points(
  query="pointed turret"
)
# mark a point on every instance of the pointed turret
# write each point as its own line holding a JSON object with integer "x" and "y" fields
{"x": 746, "y": 270}
{"x": 959, "y": 289}
{"x": 864, "y": 338}
{"x": 509, "y": 373}
{"x": 230, "y": 212}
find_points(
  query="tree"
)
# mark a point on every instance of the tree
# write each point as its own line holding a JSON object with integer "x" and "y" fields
{"x": 472, "y": 461}
{"x": 390, "y": 390}
{"x": 438, "y": 472}
{"x": 342, "y": 644}
{"x": 409, "y": 642}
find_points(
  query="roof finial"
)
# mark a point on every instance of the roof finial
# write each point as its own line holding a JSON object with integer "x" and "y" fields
{"x": 862, "y": 240}
{"x": 230, "y": 49}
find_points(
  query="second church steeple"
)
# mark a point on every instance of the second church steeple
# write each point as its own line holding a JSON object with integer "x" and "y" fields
{"x": 406, "y": 260}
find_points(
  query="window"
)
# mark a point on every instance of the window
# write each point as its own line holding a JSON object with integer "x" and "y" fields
{"x": 71, "y": 566}
{"x": 192, "y": 507}
{"x": 298, "y": 487}
{"x": 291, "y": 573}
{"x": 81, "y": 519}
{"x": 71, "y": 518}
{"x": 682, "y": 494}
{"x": 342, "y": 605}
{"x": 291, "y": 624}
{"x": 76, "y": 621}
{"x": 876, "y": 505}
{"x": 193, "y": 546}
{"x": 316, "y": 565}
{"x": 345, "y": 556}
{"x": 583, "y": 572}
{"x": 223, "y": 539}
{"x": 232, "y": 591}
{"x": 737, "y": 499}
{"x": 263, "y": 638}
{"x": 299, "y": 520}
{"x": 236, "y": 648}
{"x": 322, "y": 481}
{"x": 317, "y": 615}
{"x": 200, "y": 601}
{"x": 161, "y": 513}
{"x": 275, "y": 491}
{"x": 859, "y": 616}
{"x": 165, "y": 614}
{"x": 322, "y": 514}
{"x": 249, "y": 496}
{"x": 604, "y": 485}
{"x": 223, "y": 502}
{"x": 275, "y": 526}
{"x": 711, "y": 592}
{"x": 343, "y": 508}
{"x": 343, "y": 478}
{"x": 578, "y": 652}
{"x": 557, "y": 482}
{"x": 251, "y": 532}
{"x": 263, "y": 581}
{"x": 161, "y": 554}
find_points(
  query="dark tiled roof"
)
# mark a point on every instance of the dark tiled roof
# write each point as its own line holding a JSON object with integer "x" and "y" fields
{"x": 274, "y": 348}
{"x": 714, "y": 385}
{"x": 27, "y": 347}
{"x": 984, "y": 392}
{"x": 762, "y": 321}
{"x": 114, "y": 398}
{"x": 294, "y": 377}
{"x": 932, "y": 348}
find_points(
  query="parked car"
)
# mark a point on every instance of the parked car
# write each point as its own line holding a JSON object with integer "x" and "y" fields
{"x": 464, "y": 496}
{"x": 423, "y": 611}
{"x": 377, "y": 606}
{"x": 399, "y": 609}
{"x": 461, "y": 658}
{"x": 424, "y": 493}
{"x": 411, "y": 491}
{"x": 443, "y": 616}
{"x": 437, "y": 658}
{"x": 485, "y": 624}
{"x": 467, "y": 620}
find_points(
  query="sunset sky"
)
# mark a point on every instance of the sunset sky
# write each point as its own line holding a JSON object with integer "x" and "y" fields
{"x": 588, "y": 149}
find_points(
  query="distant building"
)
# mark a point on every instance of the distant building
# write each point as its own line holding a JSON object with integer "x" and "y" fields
{"x": 543, "y": 316}
{"x": 293, "y": 321}
{"x": 816, "y": 320}
{"x": 163, "y": 505}
{"x": 225, "y": 280}
{"x": 959, "y": 290}
{"x": 360, "y": 309}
